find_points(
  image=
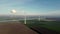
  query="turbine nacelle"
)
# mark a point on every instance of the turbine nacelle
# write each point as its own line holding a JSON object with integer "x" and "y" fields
{"x": 13, "y": 11}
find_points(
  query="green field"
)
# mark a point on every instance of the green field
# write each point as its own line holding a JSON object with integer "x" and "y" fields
{"x": 53, "y": 25}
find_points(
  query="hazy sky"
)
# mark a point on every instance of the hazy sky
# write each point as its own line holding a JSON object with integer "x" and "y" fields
{"x": 31, "y": 7}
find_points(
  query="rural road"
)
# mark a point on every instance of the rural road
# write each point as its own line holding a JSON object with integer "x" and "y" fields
{"x": 14, "y": 27}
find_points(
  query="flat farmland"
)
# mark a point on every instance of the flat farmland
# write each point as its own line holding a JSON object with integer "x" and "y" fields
{"x": 48, "y": 27}
{"x": 15, "y": 27}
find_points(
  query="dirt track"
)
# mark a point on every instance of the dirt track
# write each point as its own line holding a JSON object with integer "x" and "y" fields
{"x": 14, "y": 28}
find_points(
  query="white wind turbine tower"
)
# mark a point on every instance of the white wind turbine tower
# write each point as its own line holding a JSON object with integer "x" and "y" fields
{"x": 39, "y": 18}
{"x": 13, "y": 12}
{"x": 24, "y": 17}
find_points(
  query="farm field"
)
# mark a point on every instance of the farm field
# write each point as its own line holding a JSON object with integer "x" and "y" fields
{"x": 49, "y": 25}
{"x": 14, "y": 27}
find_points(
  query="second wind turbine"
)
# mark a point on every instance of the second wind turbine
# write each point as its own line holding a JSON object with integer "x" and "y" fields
{"x": 24, "y": 17}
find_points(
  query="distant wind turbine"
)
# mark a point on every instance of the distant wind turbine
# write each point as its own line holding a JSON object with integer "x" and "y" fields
{"x": 13, "y": 12}
{"x": 39, "y": 18}
{"x": 24, "y": 17}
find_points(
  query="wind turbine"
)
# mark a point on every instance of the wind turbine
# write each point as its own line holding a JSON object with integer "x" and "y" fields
{"x": 13, "y": 12}
{"x": 24, "y": 17}
{"x": 39, "y": 17}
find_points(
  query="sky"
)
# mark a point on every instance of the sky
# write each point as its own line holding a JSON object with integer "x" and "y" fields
{"x": 30, "y": 7}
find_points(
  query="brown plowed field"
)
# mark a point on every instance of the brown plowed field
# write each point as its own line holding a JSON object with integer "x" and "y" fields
{"x": 14, "y": 28}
